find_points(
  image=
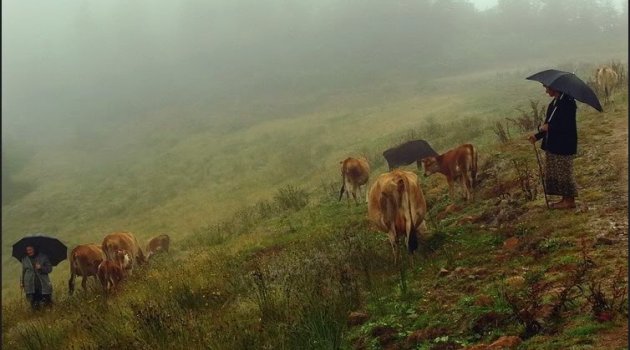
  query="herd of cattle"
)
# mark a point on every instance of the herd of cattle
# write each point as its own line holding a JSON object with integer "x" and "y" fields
{"x": 113, "y": 260}
{"x": 396, "y": 204}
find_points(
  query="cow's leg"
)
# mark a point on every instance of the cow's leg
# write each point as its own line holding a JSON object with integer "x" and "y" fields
{"x": 348, "y": 194}
{"x": 451, "y": 190}
{"x": 463, "y": 183}
{"x": 469, "y": 186}
{"x": 83, "y": 282}
{"x": 71, "y": 280}
{"x": 465, "y": 186}
{"x": 354, "y": 193}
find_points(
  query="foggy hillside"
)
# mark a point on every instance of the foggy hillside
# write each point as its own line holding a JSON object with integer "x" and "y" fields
{"x": 150, "y": 116}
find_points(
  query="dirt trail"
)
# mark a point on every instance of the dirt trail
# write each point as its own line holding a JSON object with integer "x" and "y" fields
{"x": 609, "y": 216}
{"x": 610, "y": 153}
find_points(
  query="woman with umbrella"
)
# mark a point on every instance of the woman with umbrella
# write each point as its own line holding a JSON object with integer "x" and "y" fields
{"x": 35, "y": 282}
{"x": 559, "y": 132}
{"x": 38, "y": 254}
{"x": 559, "y": 137}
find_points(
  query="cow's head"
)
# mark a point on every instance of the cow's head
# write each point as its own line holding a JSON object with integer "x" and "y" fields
{"x": 430, "y": 165}
{"x": 122, "y": 258}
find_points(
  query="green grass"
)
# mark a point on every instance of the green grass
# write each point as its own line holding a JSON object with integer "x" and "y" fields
{"x": 271, "y": 259}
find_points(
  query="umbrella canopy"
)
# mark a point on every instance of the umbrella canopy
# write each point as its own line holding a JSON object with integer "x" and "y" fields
{"x": 568, "y": 83}
{"x": 50, "y": 246}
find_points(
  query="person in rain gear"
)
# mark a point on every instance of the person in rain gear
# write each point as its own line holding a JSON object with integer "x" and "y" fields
{"x": 559, "y": 141}
{"x": 35, "y": 281}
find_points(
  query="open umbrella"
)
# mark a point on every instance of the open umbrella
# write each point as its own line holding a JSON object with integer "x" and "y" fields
{"x": 50, "y": 246}
{"x": 568, "y": 83}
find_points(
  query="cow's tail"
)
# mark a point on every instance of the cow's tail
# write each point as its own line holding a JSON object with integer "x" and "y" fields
{"x": 473, "y": 170}
{"x": 343, "y": 178}
{"x": 73, "y": 274}
{"x": 412, "y": 236}
{"x": 413, "y": 241}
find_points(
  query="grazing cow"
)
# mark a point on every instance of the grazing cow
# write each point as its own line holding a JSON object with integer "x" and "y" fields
{"x": 355, "y": 173}
{"x": 407, "y": 153}
{"x": 160, "y": 243}
{"x": 126, "y": 241}
{"x": 397, "y": 206}
{"x": 110, "y": 274}
{"x": 84, "y": 261}
{"x": 457, "y": 164}
{"x": 606, "y": 79}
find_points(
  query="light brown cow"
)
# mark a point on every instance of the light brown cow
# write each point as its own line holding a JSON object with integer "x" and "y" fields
{"x": 606, "y": 79}
{"x": 123, "y": 241}
{"x": 84, "y": 261}
{"x": 457, "y": 164}
{"x": 355, "y": 173}
{"x": 396, "y": 205}
{"x": 157, "y": 244}
{"x": 110, "y": 274}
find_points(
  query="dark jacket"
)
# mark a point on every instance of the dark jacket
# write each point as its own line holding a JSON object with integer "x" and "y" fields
{"x": 561, "y": 137}
{"x": 29, "y": 274}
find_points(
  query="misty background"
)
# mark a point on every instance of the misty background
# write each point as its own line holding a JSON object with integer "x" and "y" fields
{"x": 102, "y": 99}
{"x": 68, "y": 64}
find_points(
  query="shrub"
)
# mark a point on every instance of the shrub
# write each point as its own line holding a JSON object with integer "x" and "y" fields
{"x": 529, "y": 120}
{"x": 291, "y": 198}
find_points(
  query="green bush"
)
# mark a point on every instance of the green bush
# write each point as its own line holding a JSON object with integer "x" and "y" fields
{"x": 291, "y": 198}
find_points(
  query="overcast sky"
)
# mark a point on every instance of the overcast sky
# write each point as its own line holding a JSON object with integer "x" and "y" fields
{"x": 67, "y": 60}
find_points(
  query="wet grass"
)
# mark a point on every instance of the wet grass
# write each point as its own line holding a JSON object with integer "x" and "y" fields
{"x": 285, "y": 271}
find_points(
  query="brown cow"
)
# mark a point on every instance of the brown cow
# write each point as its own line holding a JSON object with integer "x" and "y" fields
{"x": 396, "y": 205}
{"x": 110, "y": 274}
{"x": 355, "y": 173}
{"x": 123, "y": 241}
{"x": 606, "y": 79}
{"x": 457, "y": 164}
{"x": 160, "y": 243}
{"x": 84, "y": 261}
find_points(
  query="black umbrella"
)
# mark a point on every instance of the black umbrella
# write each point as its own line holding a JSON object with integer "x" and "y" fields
{"x": 50, "y": 246}
{"x": 568, "y": 83}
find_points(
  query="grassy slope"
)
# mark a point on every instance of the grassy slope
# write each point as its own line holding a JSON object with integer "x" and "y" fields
{"x": 285, "y": 278}
{"x": 184, "y": 180}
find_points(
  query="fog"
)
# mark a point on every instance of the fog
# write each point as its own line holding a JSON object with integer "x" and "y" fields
{"x": 75, "y": 62}
{"x": 78, "y": 73}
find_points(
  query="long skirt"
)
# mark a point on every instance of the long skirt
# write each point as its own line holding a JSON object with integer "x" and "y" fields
{"x": 559, "y": 178}
{"x": 38, "y": 299}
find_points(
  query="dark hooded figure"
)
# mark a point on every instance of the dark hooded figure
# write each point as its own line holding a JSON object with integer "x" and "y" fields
{"x": 559, "y": 141}
{"x": 35, "y": 281}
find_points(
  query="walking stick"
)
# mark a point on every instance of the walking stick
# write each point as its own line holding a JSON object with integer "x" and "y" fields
{"x": 541, "y": 176}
